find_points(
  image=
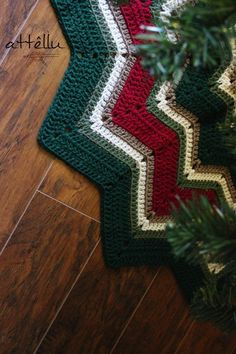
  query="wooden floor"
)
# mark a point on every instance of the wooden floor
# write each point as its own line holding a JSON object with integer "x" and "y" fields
{"x": 56, "y": 295}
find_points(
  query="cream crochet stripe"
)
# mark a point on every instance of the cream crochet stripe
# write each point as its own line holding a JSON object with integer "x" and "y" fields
{"x": 227, "y": 81}
{"x": 122, "y": 64}
{"x": 129, "y": 144}
{"x": 189, "y": 122}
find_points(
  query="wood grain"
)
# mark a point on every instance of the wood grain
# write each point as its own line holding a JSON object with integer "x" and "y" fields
{"x": 97, "y": 309}
{"x": 38, "y": 268}
{"x": 203, "y": 338}
{"x": 27, "y": 88}
{"x": 13, "y": 15}
{"x": 72, "y": 188}
{"x": 159, "y": 323}
{"x": 48, "y": 255}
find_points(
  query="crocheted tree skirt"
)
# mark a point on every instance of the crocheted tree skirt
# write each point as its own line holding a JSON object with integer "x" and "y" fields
{"x": 141, "y": 142}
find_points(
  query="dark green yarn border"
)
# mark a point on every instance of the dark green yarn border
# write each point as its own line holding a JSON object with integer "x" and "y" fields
{"x": 84, "y": 128}
{"x": 55, "y": 137}
{"x": 113, "y": 176}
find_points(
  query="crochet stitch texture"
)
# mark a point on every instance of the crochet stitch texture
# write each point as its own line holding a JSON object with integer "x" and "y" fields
{"x": 140, "y": 142}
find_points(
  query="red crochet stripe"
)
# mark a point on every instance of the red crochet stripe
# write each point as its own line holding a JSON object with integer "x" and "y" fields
{"x": 136, "y": 13}
{"x": 131, "y": 114}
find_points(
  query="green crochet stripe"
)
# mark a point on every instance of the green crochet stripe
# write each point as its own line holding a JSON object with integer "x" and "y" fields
{"x": 182, "y": 180}
{"x": 60, "y": 134}
{"x": 197, "y": 95}
{"x": 83, "y": 22}
{"x": 84, "y": 127}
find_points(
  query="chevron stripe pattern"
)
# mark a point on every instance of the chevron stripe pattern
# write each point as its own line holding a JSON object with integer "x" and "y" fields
{"x": 141, "y": 142}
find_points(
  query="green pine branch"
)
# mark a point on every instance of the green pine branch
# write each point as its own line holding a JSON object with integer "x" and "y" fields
{"x": 201, "y": 36}
{"x": 200, "y": 229}
{"x": 215, "y": 301}
{"x": 228, "y": 130}
{"x": 205, "y": 234}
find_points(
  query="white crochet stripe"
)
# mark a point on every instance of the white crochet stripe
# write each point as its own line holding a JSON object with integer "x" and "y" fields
{"x": 169, "y": 6}
{"x": 123, "y": 28}
{"x": 96, "y": 117}
{"x": 224, "y": 81}
{"x": 167, "y": 9}
{"x": 135, "y": 143}
{"x": 117, "y": 130}
{"x": 121, "y": 65}
{"x": 113, "y": 27}
{"x": 105, "y": 98}
{"x": 98, "y": 127}
{"x": 191, "y": 173}
{"x": 157, "y": 223}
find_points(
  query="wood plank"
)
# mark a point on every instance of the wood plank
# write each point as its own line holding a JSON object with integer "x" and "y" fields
{"x": 27, "y": 88}
{"x": 72, "y": 188}
{"x": 13, "y": 15}
{"x": 97, "y": 309}
{"x": 159, "y": 323}
{"x": 38, "y": 268}
{"x": 203, "y": 338}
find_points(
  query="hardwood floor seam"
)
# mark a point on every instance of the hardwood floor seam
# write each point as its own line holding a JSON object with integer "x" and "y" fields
{"x": 183, "y": 338}
{"x": 134, "y": 312}
{"x": 68, "y": 206}
{"x": 45, "y": 176}
{"x": 233, "y": 351}
{"x": 19, "y": 31}
{"x": 66, "y": 297}
{"x": 25, "y": 209}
